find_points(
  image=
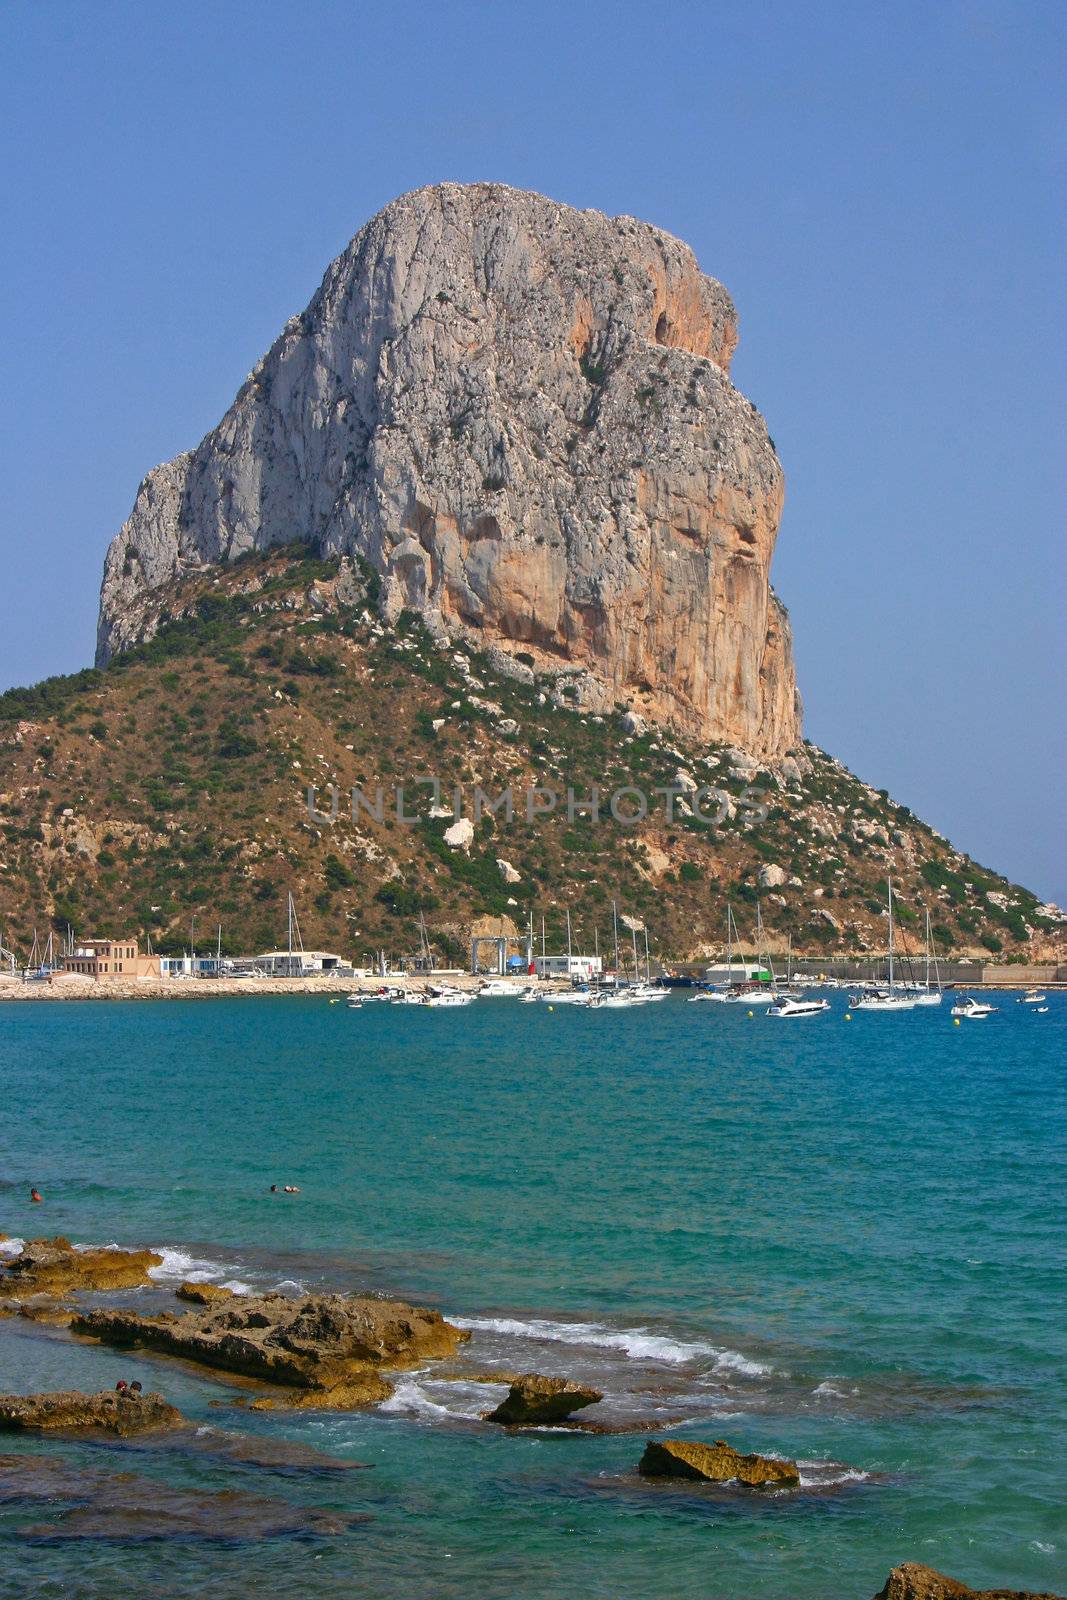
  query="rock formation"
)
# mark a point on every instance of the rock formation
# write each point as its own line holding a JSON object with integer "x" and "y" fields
{"x": 54, "y": 1266}
{"x": 521, "y": 416}
{"x": 203, "y": 1294}
{"x": 914, "y": 1582}
{"x": 718, "y": 1463}
{"x": 534, "y": 1401}
{"x": 108, "y": 1412}
{"x": 330, "y": 1348}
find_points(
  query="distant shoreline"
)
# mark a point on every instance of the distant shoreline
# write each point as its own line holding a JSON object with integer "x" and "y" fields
{"x": 98, "y": 989}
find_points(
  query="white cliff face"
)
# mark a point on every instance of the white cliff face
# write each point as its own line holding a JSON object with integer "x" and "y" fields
{"x": 521, "y": 415}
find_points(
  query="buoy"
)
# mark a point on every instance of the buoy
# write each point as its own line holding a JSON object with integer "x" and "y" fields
{"x": 750, "y": 1013}
{"x": 956, "y": 1020}
{"x": 552, "y": 1008}
{"x": 848, "y": 1016}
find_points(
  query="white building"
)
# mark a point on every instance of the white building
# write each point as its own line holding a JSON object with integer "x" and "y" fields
{"x": 301, "y": 963}
{"x": 573, "y": 967}
{"x": 735, "y": 972}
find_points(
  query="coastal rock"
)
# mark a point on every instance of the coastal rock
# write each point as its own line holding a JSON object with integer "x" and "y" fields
{"x": 521, "y": 416}
{"x": 507, "y": 871}
{"x": 914, "y": 1582}
{"x": 203, "y": 1294}
{"x": 717, "y": 1463}
{"x": 106, "y": 1412}
{"x": 534, "y": 1400}
{"x": 55, "y": 1267}
{"x": 330, "y": 1347}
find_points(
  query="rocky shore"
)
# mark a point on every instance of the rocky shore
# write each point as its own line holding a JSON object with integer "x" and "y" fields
{"x": 326, "y": 1351}
{"x": 317, "y": 1350}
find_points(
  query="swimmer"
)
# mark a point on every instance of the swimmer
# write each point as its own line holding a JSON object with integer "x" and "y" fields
{"x": 35, "y": 1195}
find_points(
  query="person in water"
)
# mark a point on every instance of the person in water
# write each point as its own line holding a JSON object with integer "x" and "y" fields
{"x": 35, "y": 1194}
{"x": 274, "y": 1188}
{"x": 121, "y": 1386}
{"x": 291, "y": 1188}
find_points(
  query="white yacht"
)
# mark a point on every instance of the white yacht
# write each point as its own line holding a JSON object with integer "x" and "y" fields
{"x": 796, "y": 1006}
{"x": 501, "y": 988}
{"x": 1032, "y": 997}
{"x": 973, "y": 1008}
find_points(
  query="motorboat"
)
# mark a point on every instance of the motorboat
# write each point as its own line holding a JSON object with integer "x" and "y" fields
{"x": 797, "y": 1006}
{"x": 501, "y": 988}
{"x": 974, "y": 1008}
{"x": 641, "y": 993}
{"x": 355, "y": 1002}
{"x": 1032, "y": 997}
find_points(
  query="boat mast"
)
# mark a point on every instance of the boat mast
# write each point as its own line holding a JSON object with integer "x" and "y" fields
{"x": 615, "y": 925}
{"x": 648, "y": 970}
{"x": 890, "y": 883}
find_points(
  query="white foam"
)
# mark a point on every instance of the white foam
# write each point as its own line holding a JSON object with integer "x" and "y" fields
{"x": 409, "y": 1399}
{"x": 178, "y": 1264}
{"x": 826, "y": 1474}
{"x": 12, "y": 1247}
{"x": 637, "y": 1343}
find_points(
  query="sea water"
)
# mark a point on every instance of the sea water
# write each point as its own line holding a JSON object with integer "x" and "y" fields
{"x": 836, "y": 1240}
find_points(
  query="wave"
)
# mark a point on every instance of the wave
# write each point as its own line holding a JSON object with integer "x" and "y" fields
{"x": 181, "y": 1267}
{"x": 12, "y": 1247}
{"x": 451, "y": 1400}
{"x": 828, "y": 1474}
{"x": 638, "y": 1343}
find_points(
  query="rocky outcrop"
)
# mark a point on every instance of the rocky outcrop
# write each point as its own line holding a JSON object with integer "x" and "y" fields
{"x": 521, "y": 416}
{"x": 55, "y": 1267}
{"x": 533, "y": 1400}
{"x": 914, "y": 1582}
{"x": 203, "y": 1294}
{"x": 329, "y": 1348}
{"x": 108, "y": 1412}
{"x": 717, "y": 1463}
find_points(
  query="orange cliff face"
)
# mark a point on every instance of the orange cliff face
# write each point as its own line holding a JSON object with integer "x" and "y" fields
{"x": 521, "y": 415}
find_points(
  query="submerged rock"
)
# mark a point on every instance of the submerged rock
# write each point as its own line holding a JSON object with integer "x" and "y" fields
{"x": 123, "y": 1507}
{"x": 108, "y": 1412}
{"x": 915, "y": 1582}
{"x": 330, "y": 1348}
{"x": 54, "y": 1266}
{"x": 534, "y": 1400}
{"x": 717, "y": 1463}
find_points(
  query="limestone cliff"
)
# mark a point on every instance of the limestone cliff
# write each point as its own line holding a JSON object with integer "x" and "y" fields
{"x": 521, "y": 415}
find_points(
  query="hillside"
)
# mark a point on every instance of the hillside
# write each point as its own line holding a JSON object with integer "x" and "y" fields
{"x": 172, "y": 783}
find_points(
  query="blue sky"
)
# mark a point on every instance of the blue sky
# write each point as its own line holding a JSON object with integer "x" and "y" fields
{"x": 879, "y": 186}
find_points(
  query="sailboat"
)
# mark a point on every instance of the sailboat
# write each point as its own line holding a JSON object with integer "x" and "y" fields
{"x": 888, "y": 998}
{"x": 927, "y": 996}
{"x": 755, "y": 992}
{"x": 716, "y": 991}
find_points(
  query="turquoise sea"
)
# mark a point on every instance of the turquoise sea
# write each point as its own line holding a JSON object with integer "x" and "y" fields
{"x": 840, "y": 1241}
